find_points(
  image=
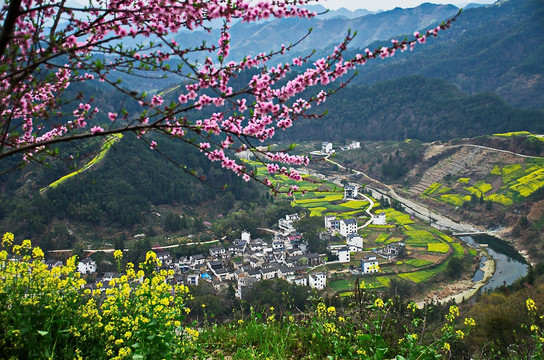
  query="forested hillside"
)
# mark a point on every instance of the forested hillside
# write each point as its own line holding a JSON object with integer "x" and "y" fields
{"x": 413, "y": 108}
{"x": 120, "y": 191}
{"x": 495, "y": 48}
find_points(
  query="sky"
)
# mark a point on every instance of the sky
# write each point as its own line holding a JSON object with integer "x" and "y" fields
{"x": 374, "y": 5}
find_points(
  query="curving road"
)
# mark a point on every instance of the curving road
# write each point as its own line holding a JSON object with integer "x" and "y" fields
{"x": 414, "y": 208}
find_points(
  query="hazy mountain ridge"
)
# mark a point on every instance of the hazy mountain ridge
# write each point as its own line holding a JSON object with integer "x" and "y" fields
{"x": 327, "y": 32}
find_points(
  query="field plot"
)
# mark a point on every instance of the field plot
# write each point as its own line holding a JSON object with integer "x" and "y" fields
{"x": 422, "y": 275}
{"x": 459, "y": 250}
{"x": 418, "y": 262}
{"x": 439, "y": 248}
{"x": 395, "y": 216}
{"x": 528, "y": 184}
{"x": 431, "y": 189}
{"x": 107, "y": 143}
{"x": 382, "y": 238}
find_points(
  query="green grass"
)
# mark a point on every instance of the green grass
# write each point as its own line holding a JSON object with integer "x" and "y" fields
{"x": 341, "y": 285}
{"x": 418, "y": 262}
{"x": 459, "y": 250}
{"x": 420, "y": 276}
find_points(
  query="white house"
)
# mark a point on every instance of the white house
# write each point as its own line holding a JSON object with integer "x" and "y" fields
{"x": 217, "y": 251}
{"x": 379, "y": 219}
{"x": 192, "y": 279}
{"x": 86, "y": 266}
{"x": 165, "y": 258}
{"x": 317, "y": 281}
{"x": 369, "y": 265}
{"x": 354, "y": 242}
{"x": 343, "y": 254}
{"x": 350, "y": 192}
{"x": 331, "y": 222}
{"x": 246, "y": 236}
{"x": 286, "y": 225}
{"x": 197, "y": 260}
{"x": 326, "y": 147}
{"x": 348, "y": 226}
{"x": 354, "y": 145}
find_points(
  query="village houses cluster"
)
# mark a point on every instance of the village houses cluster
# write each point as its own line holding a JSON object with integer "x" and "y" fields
{"x": 246, "y": 260}
{"x": 242, "y": 263}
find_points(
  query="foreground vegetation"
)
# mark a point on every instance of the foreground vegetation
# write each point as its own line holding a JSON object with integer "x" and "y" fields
{"x": 55, "y": 314}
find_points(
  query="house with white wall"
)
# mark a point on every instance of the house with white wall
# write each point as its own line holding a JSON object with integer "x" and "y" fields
{"x": 331, "y": 222}
{"x": 326, "y": 147}
{"x": 86, "y": 266}
{"x": 348, "y": 226}
{"x": 369, "y": 265}
{"x": 354, "y": 242}
{"x": 379, "y": 219}
{"x": 350, "y": 192}
{"x": 317, "y": 281}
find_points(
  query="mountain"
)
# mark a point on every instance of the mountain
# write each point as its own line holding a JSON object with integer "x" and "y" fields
{"x": 324, "y": 13}
{"x": 327, "y": 32}
{"x": 496, "y": 48}
{"x": 413, "y": 107}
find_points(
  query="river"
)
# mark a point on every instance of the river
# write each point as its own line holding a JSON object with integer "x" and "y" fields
{"x": 509, "y": 264}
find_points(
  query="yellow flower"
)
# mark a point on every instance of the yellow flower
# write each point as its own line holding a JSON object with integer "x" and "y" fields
{"x": 37, "y": 253}
{"x": 470, "y": 322}
{"x": 329, "y": 328}
{"x": 271, "y": 308}
{"x": 118, "y": 255}
{"x": 534, "y": 328}
{"x": 379, "y": 303}
{"x": 291, "y": 318}
{"x": 460, "y": 334}
{"x": 454, "y": 312}
{"x": 361, "y": 352}
{"x": 240, "y": 322}
{"x": 192, "y": 333}
{"x": 341, "y": 319}
{"x": 531, "y": 306}
{"x": 331, "y": 310}
{"x": 446, "y": 347}
{"x": 7, "y": 239}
